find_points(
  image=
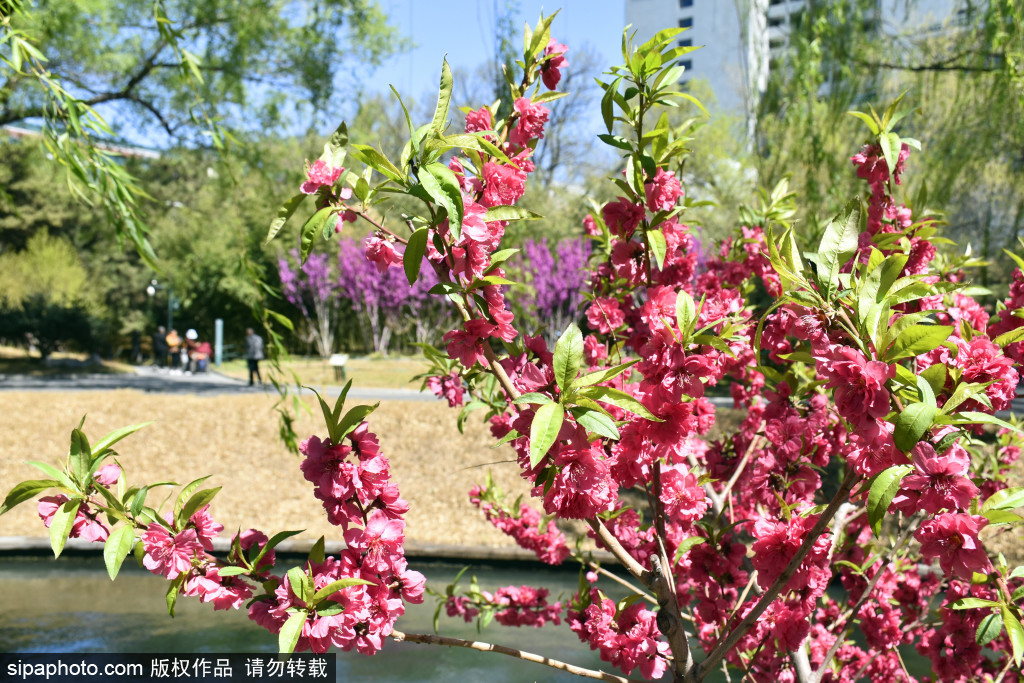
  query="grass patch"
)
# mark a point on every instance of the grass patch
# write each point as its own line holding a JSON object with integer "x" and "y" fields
{"x": 15, "y": 361}
{"x": 381, "y": 373}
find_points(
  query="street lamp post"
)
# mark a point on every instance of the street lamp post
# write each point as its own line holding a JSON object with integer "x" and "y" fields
{"x": 172, "y": 301}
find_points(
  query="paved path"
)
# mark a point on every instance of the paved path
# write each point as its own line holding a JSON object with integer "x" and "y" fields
{"x": 149, "y": 379}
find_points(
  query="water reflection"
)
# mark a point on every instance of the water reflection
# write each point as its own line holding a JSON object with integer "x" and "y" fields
{"x": 70, "y": 605}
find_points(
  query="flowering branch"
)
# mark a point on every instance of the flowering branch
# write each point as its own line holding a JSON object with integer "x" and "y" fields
{"x": 429, "y": 639}
{"x": 855, "y": 611}
{"x": 729, "y": 642}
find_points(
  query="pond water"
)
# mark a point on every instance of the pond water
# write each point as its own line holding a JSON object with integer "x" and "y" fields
{"x": 70, "y": 605}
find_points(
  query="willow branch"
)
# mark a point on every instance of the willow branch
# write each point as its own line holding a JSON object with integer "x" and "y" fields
{"x": 776, "y": 588}
{"x": 428, "y": 639}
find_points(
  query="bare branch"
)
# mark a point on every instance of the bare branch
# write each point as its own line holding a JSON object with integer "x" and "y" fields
{"x": 429, "y": 639}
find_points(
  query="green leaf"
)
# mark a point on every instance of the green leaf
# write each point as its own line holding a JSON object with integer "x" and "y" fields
{"x": 974, "y": 417}
{"x": 80, "y": 454}
{"x": 1015, "y": 632}
{"x": 916, "y": 340}
{"x": 601, "y": 376}
{"x": 61, "y": 478}
{"x": 444, "y": 98}
{"x": 317, "y": 553}
{"x": 353, "y": 418}
{"x": 927, "y": 393}
{"x": 274, "y": 541}
{"x": 686, "y": 313}
{"x": 61, "y": 524}
{"x": 117, "y": 547}
{"x": 298, "y": 579}
{"x": 839, "y": 243}
{"x": 935, "y": 376}
{"x": 171, "y": 597}
{"x": 686, "y": 545}
{"x": 547, "y": 422}
{"x": 883, "y": 490}
{"x": 596, "y": 422}
{"x": 619, "y": 399}
{"x": 659, "y": 248}
{"x": 568, "y": 357}
{"x": 290, "y": 632}
{"x": 1006, "y": 499}
{"x": 616, "y": 141}
{"x": 312, "y": 227}
{"x": 912, "y": 423}
{"x": 973, "y": 603}
{"x": 413, "y": 257}
{"x": 224, "y": 572}
{"x": 184, "y": 495}
{"x": 335, "y": 586}
{"x": 26, "y": 490}
{"x": 532, "y": 397}
{"x": 890, "y": 144}
{"x": 371, "y": 157}
{"x": 443, "y": 187}
{"x": 196, "y": 502}
{"x": 510, "y": 213}
{"x": 335, "y": 147}
{"x": 989, "y": 628}
{"x": 283, "y": 214}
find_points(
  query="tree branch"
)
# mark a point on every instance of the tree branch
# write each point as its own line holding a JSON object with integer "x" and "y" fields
{"x": 904, "y": 536}
{"x": 773, "y": 592}
{"x": 428, "y": 639}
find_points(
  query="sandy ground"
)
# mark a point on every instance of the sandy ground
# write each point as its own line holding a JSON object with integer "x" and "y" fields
{"x": 234, "y": 439}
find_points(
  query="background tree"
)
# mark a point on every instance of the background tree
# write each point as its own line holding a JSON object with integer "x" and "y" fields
{"x": 966, "y": 87}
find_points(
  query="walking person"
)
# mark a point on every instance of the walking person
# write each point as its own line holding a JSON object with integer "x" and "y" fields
{"x": 160, "y": 347}
{"x": 253, "y": 354}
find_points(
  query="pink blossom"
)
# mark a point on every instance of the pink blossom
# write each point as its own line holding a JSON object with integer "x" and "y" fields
{"x": 663, "y": 191}
{"x": 465, "y": 346}
{"x": 582, "y": 486}
{"x": 479, "y": 120}
{"x": 952, "y": 537}
{"x": 604, "y": 315}
{"x": 379, "y": 542}
{"x": 224, "y": 592}
{"x": 684, "y": 498}
{"x": 530, "y": 122}
{"x": 108, "y": 475}
{"x": 448, "y": 387}
{"x": 503, "y": 184}
{"x": 550, "y": 70}
{"x": 381, "y": 252}
{"x": 982, "y": 361}
{"x": 205, "y": 526}
{"x": 85, "y": 526}
{"x": 169, "y": 555}
{"x": 622, "y": 216}
{"x": 777, "y": 543}
{"x": 938, "y": 482}
{"x": 859, "y": 384}
{"x": 320, "y": 174}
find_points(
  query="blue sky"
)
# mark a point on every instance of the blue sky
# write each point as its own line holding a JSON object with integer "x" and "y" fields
{"x": 464, "y": 29}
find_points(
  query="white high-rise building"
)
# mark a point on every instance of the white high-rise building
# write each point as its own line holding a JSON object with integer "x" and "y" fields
{"x": 742, "y": 38}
